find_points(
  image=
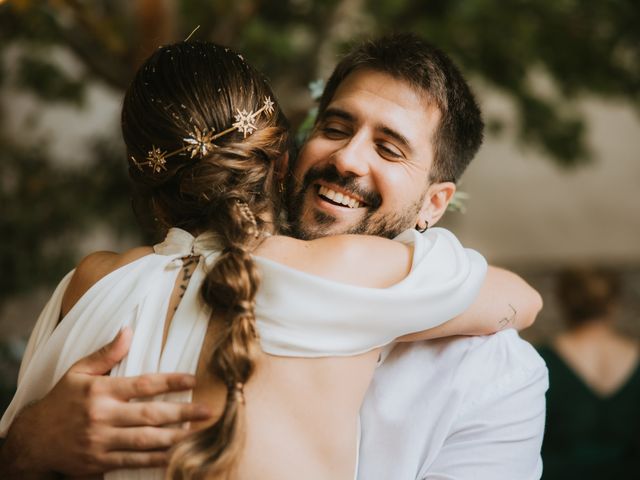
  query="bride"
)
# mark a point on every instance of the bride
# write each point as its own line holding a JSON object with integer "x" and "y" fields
{"x": 282, "y": 334}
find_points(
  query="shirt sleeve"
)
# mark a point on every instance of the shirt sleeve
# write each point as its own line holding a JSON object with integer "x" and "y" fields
{"x": 498, "y": 434}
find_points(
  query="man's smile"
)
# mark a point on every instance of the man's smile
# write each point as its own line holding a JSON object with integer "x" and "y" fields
{"x": 338, "y": 196}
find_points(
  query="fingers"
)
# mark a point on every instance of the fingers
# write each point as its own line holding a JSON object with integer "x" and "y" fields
{"x": 140, "y": 439}
{"x": 115, "y": 460}
{"x": 158, "y": 413}
{"x": 149, "y": 385}
{"x": 103, "y": 360}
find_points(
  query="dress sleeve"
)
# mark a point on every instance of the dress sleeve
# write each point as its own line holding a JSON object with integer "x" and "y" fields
{"x": 325, "y": 318}
{"x": 42, "y": 331}
{"x": 441, "y": 262}
{"x": 47, "y": 321}
{"x": 444, "y": 281}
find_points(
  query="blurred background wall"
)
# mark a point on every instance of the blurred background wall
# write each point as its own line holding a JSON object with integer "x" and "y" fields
{"x": 556, "y": 182}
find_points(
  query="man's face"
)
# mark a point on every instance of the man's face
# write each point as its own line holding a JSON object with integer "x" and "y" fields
{"x": 365, "y": 167}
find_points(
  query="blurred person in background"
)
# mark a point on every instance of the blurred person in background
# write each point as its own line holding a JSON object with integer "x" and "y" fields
{"x": 593, "y": 402}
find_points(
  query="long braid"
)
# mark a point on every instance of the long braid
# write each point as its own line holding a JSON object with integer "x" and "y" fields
{"x": 230, "y": 288}
{"x": 227, "y": 188}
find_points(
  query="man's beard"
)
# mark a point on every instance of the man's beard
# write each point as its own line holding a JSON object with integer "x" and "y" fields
{"x": 388, "y": 226}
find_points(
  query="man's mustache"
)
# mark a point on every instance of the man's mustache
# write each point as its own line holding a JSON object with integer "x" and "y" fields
{"x": 330, "y": 174}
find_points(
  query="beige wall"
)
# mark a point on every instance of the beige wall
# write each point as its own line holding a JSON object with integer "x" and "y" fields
{"x": 525, "y": 210}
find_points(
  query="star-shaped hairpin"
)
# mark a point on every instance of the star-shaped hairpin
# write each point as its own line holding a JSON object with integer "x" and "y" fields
{"x": 156, "y": 159}
{"x": 267, "y": 106}
{"x": 245, "y": 122}
{"x": 199, "y": 142}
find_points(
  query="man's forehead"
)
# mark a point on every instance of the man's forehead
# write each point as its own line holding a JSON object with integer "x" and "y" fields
{"x": 367, "y": 94}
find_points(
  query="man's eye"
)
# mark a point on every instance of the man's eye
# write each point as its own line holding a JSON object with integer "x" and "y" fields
{"x": 333, "y": 133}
{"x": 389, "y": 151}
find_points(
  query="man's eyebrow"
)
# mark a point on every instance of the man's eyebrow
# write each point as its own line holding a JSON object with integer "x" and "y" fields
{"x": 384, "y": 129}
{"x": 337, "y": 112}
{"x": 397, "y": 136}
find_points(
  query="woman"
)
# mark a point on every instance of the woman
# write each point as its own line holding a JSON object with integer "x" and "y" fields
{"x": 207, "y": 149}
{"x": 593, "y": 421}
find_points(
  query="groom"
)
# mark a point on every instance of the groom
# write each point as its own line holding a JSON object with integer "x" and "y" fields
{"x": 397, "y": 126}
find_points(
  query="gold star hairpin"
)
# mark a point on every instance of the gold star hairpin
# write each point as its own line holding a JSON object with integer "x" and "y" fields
{"x": 156, "y": 159}
{"x": 200, "y": 142}
{"x": 268, "y": 106}
{"x": 246, "y": 121}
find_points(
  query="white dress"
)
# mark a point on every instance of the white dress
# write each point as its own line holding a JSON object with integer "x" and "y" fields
{"x": 298, "y": 314}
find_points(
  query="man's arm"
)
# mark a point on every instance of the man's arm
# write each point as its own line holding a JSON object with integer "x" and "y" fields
{"x": 87, "y": 425}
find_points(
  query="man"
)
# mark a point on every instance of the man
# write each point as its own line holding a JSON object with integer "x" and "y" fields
{"x": 397, "y": 126}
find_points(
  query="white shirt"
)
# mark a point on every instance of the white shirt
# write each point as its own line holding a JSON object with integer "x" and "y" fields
{"x": 456, "y": 409}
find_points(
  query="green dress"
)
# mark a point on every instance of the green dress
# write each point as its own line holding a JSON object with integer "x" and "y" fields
{"x": 588, "y": 436}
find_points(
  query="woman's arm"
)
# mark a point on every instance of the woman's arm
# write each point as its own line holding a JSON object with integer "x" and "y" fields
{"x": 505, "y": 300}
{"x": 94, "y": 267}
{"x": 358, "y": 260}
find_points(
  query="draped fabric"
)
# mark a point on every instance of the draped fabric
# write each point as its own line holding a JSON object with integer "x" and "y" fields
{"x": 298, "y": 314}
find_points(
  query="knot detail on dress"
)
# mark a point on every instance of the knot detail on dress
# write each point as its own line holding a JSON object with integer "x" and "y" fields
{"x": 181, "y": 243}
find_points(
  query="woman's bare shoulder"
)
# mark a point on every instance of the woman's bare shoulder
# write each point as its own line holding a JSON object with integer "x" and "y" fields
{"x": 94, "y": 267}
{"x": 359, "y": 260}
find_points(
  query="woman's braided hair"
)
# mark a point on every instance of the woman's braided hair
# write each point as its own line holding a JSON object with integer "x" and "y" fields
{"x": 228, "y": 189}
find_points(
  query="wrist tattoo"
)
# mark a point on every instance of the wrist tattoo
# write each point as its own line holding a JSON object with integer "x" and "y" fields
{"x": 509, "y": 320}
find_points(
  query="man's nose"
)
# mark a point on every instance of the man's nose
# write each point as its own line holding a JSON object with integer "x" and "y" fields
{"x": 352, "y": 158}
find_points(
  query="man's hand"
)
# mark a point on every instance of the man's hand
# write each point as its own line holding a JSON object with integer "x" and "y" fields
{"x": 87, "y": 425}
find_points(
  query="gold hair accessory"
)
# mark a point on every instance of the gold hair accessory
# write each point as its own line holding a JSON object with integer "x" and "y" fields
{"x": 248, "y": 215}
{"x": 246, "y": 121}
{"x": 238, "y": 391}
{"x": 200, "y": 142}
{"x": 156, "y": 159}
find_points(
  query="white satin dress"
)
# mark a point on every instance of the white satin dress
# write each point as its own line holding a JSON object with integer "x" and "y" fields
{"x": 298, "y": 314}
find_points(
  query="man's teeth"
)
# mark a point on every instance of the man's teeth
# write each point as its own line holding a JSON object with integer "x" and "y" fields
{"x": 338, "y": 197}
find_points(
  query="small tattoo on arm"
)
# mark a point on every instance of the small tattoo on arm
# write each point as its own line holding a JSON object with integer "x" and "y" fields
{"x": 509, "y": 319}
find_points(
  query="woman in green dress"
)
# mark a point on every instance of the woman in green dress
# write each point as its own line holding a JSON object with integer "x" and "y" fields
{"x": 593, "y": 402}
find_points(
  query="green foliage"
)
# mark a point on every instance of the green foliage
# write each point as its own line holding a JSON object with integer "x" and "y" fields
{"x": 48, "y": 81}
{"x": 587, "y": 47}
{"x": 45, "y": 210}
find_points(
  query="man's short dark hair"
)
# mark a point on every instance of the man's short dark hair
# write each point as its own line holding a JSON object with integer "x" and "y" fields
{"x": 430, "y": 72}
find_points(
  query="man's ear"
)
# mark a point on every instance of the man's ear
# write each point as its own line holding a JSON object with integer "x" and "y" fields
{"x": 435, "y": 203}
